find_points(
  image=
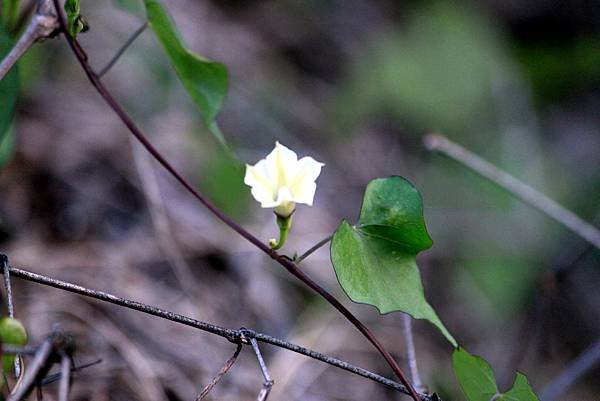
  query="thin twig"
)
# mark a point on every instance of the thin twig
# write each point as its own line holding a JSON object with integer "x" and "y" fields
{"x": 122, "y": 50}
{"x": 65, "y": 378}
{"x": 313, "y": 249}
{"x": 516, "y": 187}
{"x": 10, "y": 304}
{"x": 31, "y": 374}
{"x": 589, "y": 358}
{"x": 57, "y": 376}
{"x": 410, "y": 353}
{"x": 284, "y": 261}
{"x": 160, "y": 219}
{"x": 42, "y": 25}
{"x": 230, "y": 334}
{"x": 222, "y": 372}
{"x": 268, "y": 382}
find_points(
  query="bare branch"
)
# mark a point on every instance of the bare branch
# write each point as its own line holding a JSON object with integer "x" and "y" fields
{"x": 122, "y": 50}
{"x": 516, "y": 187}
{"x": 57, "y": 376}
{"x": 268, "y": 382}
{"x": 55, "y": 343}
{"x": 313, "y": 249}
{"x": 42, "y": 25}
{"x": 65, "y": 378}
{"x": 232, "y": 335}
{"x": 222, "y": 372}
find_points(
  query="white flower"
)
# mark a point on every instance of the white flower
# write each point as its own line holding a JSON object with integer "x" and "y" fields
{"x": 281, "y": 180}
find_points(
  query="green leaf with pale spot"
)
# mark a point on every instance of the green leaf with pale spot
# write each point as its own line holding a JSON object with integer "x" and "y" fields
{"x": 476, "y": 378}
{"x": 12, "y": 332}
{"x": 374, "y": 261}
{"x": 9, "y": 88}
{"x": 204, "y": 80}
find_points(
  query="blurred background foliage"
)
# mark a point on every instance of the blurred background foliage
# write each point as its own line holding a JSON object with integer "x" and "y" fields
{"x": 356, "y": 84}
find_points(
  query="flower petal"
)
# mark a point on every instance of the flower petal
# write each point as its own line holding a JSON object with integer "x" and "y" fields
{"x": 281, "y": 164}
{"x": 257, "y": 178}
{"x": 302, "y": 185}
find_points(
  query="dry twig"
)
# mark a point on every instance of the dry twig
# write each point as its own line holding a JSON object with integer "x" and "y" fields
{"x": 222, "y": 372}
{"x": 232, "y": 335}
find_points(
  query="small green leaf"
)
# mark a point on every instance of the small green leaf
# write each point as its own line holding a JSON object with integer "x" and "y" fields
{"x": 75, "y": 23}
{"x": 204, "y": 80}
{"x": 520, "y": 391}
{"x": 12, "y": 332}
{"x": 475, "y": 376}
{"x": 374, "y": 261}
{"x": 477, "y": 380}
{"x": 9, "y": 87}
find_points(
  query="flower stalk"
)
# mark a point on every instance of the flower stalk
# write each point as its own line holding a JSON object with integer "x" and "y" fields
{"x": 284, "y": 223}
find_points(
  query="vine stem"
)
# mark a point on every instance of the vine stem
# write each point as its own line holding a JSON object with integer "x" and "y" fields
{"x": 527, "y": 194}
{"x": 284, "y": 261}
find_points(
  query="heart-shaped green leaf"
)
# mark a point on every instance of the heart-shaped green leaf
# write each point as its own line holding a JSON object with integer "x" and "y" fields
{"x": 374, "y": 261}
{"x": 520, "y": 391}
{"x": 477, "y": 380}
{"x": 204, "y": 80}
{"x": 475, "y": 376}
{"x": 9, "y": 87}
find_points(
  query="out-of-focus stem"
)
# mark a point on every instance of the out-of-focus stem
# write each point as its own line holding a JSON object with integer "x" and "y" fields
{"x": 516, "y": 187}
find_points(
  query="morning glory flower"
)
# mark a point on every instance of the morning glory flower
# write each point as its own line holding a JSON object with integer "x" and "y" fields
{"x": 281, "y": 180}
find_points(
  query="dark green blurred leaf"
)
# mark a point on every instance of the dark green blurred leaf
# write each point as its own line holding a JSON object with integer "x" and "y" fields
{"x": 9, "y": 87}
{"x": 10, "y": 9}
{"x": 12, "y": 332}
{"x": 505, "y": 282}
{"x": 134, "y": 7}
{"x": 223, "y": 182}
{"x": 375, "y": 260}
{"x": 7, "y": 147}
{"x": 476, "y": 378}
{"x": 204, "y": 80}
{"x": 435, "y": 73}
{"x": 552, "y": 77}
